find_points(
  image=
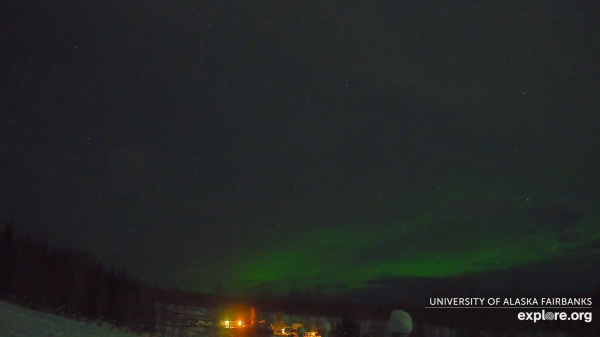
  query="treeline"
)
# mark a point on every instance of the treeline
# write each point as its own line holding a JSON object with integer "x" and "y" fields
{"x": 72, "y": 284}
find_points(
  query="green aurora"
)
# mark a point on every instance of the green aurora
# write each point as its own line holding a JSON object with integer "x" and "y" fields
{"x": 477, "y": 232}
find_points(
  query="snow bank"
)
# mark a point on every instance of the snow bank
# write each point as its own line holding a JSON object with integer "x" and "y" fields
{"x": 16, "y": 321}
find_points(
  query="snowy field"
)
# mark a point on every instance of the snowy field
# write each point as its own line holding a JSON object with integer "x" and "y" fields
{"x": 16, "y": 321}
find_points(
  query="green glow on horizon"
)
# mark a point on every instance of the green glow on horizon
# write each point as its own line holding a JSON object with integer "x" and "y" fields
{"x": 476, "y": 254}
{"x": 453, "y": 241}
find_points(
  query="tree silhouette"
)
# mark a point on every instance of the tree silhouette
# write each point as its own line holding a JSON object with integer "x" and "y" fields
{"x": 74, "y": 284}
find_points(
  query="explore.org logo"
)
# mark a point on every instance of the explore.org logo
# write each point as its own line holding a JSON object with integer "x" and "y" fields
{"x": 544, "y": 304}
{"x": 555, "y": 316}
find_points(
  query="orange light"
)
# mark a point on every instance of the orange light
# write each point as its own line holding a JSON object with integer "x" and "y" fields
{"x": 240, "y": 322}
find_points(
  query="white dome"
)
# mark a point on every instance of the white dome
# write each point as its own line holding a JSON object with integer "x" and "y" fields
{"x": 400, "y": 322}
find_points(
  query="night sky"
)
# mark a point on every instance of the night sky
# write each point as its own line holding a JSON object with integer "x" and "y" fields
{"x": 366, "y": 149}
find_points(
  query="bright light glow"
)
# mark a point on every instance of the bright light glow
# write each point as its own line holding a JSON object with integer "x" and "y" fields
{"x": 282, "y": 330}
{"x": 240, "y": 322}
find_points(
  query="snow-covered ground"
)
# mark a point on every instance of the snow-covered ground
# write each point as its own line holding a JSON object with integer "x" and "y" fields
{"x": 16, "y": 321}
